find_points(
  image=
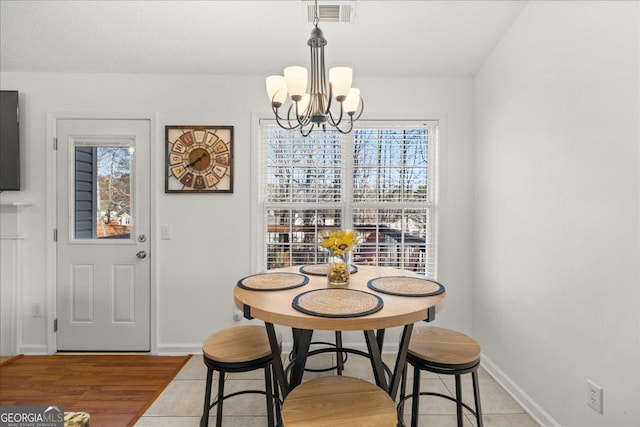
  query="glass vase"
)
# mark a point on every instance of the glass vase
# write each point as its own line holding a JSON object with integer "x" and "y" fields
{"x": 338, "y": 273}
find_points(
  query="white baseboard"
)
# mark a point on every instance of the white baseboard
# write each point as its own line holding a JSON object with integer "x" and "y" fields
{"x": 529, "y": 405}
{"x": 188, "y": 348}
{"x": 33, "y": 349}
{"x": 179, "y": 349}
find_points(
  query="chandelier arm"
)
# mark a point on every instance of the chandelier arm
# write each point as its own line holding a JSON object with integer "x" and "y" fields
{"x": 332, "y": 121}
{"x": 326, "y": 95}
{"x": 347, "y": 130}
{"x": 303, "y": 120}
{"x": 313, "y": 56}
{"x": 361, "y": 110}
{"x": 309, "y": 132}
{"x": 294, "y": 106}
{"x": 279, "y": 120}
{"x": 315, "y": 104}
{"x": 330, "y": 99}
{"x": 284, "y": 126}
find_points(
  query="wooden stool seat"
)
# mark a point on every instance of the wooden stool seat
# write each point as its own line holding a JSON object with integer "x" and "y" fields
{"x": 238, "y": 344}
{"x": 338, "y": 401}
{"x": 444, "y": 347}
{"x": 238, "y": 349}
{"x": 446, "y": 352}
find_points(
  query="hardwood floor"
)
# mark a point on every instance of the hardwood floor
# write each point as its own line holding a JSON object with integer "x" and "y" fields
{"x": 114, "y": 389}
{"x": 4, "y": 359}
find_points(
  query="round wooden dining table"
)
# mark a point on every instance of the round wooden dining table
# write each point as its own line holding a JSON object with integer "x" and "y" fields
{"x": 376, "y": 298}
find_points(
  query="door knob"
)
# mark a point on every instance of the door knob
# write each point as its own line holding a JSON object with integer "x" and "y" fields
{"x": 141, "y": 254}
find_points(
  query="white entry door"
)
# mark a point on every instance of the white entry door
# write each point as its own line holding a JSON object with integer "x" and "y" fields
{"x": 103, "y": 268}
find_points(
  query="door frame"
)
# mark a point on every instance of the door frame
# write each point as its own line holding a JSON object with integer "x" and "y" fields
{"x": 52, "y": 219}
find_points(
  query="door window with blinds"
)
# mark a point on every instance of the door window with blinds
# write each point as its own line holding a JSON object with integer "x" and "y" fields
{"x": 379, "y": 180}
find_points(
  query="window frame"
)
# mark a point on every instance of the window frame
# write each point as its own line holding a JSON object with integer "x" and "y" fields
{"x": 347, "y": 205}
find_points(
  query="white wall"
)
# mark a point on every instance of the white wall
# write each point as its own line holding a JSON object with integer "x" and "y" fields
{"x": 556, "y": 275}
{"x": 210, "y": 246}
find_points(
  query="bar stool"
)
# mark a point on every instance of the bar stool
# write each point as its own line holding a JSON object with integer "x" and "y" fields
{"x": 238, "y": 349}
{"x": 338, "y": 401}
{"x": 447, "y": 352}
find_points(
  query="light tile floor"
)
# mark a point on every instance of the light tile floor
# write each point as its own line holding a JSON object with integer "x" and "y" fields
{"x": 181, "y": 403}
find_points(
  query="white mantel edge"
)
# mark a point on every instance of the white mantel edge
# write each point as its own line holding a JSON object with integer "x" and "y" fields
{"x": 13, "y": 208}
{"x": 19, "y": 206}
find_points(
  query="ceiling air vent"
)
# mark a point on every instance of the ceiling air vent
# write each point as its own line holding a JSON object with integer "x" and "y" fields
{"x": 334, "y": 12}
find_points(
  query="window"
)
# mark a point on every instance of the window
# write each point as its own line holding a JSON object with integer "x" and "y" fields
{"x": 102, "y": 192}
{"x": 379, "y": 180}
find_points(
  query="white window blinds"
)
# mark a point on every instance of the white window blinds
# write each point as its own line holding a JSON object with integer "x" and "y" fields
{"x": 380, "y": 180}
{"x": 301, "y": 170}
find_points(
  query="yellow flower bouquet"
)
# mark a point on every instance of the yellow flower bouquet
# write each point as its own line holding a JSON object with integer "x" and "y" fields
{"x": 338, "y": 243}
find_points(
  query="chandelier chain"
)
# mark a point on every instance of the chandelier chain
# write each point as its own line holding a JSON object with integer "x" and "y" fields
{"x": 316, "y": 16}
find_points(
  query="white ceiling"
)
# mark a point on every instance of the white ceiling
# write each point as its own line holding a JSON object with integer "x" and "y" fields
{"x": 386, "y": 38}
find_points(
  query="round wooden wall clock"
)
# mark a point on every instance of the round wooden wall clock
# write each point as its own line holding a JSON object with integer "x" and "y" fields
{"x": 199, "y": 159}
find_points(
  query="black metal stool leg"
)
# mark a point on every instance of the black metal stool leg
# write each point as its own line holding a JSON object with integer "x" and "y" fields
{"x": 476, "y": 398}
{"x": 204, "y": 421}
{"x": 276, "y": 395}
{"x": 339, "y": 356}
{"x": 459, "y": 400}
{"x": 415, "y": 399}
{"x": 220, "y": 399}
{"x": 269, "y": 393}
{"x": 403, "y": 394}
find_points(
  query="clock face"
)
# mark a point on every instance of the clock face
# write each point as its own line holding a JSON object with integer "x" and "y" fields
{"x": 199, "y": 159}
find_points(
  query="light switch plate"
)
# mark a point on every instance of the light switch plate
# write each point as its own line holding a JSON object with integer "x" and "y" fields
{"x": 165, "y": 232}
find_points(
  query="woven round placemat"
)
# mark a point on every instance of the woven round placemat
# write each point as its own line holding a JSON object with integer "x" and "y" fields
{"x": 337, "y": 302}
{"x": 273, "y": 281}
{"x": 406, "y": 286}
{"x": 321, "y": 269}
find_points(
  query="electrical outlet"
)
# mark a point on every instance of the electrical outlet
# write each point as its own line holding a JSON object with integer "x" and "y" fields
{"x": 237, "y": 314}
{"x": 594, "y": 396}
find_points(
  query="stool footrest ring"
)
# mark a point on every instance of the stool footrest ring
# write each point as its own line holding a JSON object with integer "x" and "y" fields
{"x": 237, "y": 393}
{"x": 344, "y": 356}
{"x": 337, "y": 350}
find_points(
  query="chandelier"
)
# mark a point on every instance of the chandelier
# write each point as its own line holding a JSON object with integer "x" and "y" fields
{"x": 309, "y": 110}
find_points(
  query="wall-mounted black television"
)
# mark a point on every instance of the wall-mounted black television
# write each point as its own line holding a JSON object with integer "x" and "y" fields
{"x": 9, "y": 141}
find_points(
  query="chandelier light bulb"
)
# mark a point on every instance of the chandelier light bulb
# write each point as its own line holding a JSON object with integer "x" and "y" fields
{"x": 340, "y": 79}
{"x": 350, "y": 104}
{"x": 277, "y": 90}
{"x": 295, "y": 78}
